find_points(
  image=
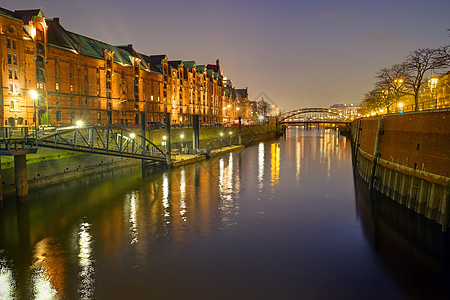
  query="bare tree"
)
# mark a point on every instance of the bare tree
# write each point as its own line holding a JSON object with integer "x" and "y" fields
{"x": 418, "y": 63}
{"x": 390, "y": 82}
{"x": 374, "y": 100}
{"x": 265, "y": 107}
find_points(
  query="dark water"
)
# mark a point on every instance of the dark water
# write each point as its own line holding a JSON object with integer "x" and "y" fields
{"x": 283, "y": 219}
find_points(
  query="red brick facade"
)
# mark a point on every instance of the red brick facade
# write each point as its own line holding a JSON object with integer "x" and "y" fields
{"x": 78, "y": 78}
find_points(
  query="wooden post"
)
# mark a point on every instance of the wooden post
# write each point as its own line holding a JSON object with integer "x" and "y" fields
{"x": 375, "y": 152}
{"x": 20, "y": 168}
{"x": 196, "y": 133}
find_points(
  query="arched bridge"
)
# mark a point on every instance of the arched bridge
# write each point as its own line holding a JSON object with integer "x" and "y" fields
{"x": 101, "y": 140}
{"x": 313, "y": 115}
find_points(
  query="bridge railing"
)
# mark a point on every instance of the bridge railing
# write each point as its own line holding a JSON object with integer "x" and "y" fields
{"x": 8, "y": 133}
{"x": 101, "y": 140}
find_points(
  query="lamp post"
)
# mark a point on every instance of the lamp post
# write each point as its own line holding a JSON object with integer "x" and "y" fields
{"x": 34, "y": 95}
{"x": 230, "y": 133}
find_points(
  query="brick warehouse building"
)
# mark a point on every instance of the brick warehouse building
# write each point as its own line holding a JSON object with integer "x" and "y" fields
{"x": 79, "y": 78}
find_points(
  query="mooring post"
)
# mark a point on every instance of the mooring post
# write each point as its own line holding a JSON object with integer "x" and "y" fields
{"x": 196, "y": 133}
{"x": 168, "y": 146}
{"x": 20, "y": 168}
{"x": 240, "y": 122}
{"x": 376, "y": 153}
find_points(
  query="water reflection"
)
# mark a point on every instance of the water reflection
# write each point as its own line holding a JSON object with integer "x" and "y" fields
{"x": 7, "y": 283}
{"x": 260, "y": 168}
{"x": 209, "y": 221}
{"x": 165, "y": 198}
{"x": 275, "y": 163}
{"x": 86, "y": 262}
{"x": 183, "y": 194}
{"x": 133, "y": 203}
{"x": 48, "y": 269}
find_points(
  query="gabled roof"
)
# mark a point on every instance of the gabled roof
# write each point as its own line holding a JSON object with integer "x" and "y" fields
{"x": 155, "y": 61}
{"x": 58, "y": 37}
{"x": 28, "y": 14}
{"x": 243, "y": 93}
{"x": 215, "y": 68}
{"x": 129, "y": 48}
{"x": 175, "y": 63}
{"x": 94, "y": 48}
{"x": 200, "y": 68}
{"x": 189, "y": 64}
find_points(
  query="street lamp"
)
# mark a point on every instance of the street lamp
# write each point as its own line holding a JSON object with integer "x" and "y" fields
{"x": 132, "y": 135}
{"x": 79, "y": 123}
{"x": 34, "y": 95}
{"x": 230, "y": 133}
{"x": 182, "y": 137}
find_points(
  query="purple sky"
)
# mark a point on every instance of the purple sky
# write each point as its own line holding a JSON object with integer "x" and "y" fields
{"x": 300, "y": 53}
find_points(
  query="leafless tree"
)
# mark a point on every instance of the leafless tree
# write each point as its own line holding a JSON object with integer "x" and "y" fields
{"x": 390, "y": 83}
{"x": 374, "y": 100}
{"x": 418, "y": 64}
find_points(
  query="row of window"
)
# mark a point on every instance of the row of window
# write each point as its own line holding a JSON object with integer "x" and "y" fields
{"x": 12, "y": 59}
{"x": 10, "y": 42}
{"x": 10, "y": 74}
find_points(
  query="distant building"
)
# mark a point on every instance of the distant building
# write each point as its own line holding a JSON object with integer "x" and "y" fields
{"x": 347, "y": 110}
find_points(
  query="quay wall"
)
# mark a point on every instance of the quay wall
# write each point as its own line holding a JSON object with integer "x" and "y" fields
{"x": 407, "y": 158}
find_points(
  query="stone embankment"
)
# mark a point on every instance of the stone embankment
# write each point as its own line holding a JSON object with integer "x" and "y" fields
{"x": 407, "y": 158}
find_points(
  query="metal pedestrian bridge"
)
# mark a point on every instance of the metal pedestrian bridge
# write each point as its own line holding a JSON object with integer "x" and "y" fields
{"x": 313, "y": 115}
{"x": 105, "y": 140}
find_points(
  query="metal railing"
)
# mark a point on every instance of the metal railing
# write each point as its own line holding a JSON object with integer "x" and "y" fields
{"x": 14, "y": 133}
{"x": 426, "y": 105}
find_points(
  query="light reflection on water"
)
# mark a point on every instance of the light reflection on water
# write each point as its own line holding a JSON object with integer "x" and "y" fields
{"x": 86, "y": 262}
{"x": 161, "y": 235}
{"x": 7, "y": 283}
{"x": 133, "y": 217}
{"x": 260, "y": 168}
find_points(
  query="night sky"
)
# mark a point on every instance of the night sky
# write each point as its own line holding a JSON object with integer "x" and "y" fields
{"x": 300, "y": 53}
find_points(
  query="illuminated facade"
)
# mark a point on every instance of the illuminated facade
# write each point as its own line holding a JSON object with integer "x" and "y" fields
{"x": 79, "y": 78}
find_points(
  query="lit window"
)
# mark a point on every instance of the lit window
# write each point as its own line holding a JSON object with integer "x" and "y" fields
{"x": 57, "y": 86}
{"x": 14, "y": 105}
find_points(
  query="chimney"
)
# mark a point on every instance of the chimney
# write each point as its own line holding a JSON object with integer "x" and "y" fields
{"x": 217, "y": 62}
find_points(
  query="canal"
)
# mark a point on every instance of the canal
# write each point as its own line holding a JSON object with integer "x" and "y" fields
{"x": 282, "y": 219}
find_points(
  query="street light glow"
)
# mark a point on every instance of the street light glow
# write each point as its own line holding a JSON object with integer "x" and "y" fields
{"x": 182, "y": 136}
{"x": 33, "y": 94}
{"x": 132, "y": 135}
{"x": 80, "y": 123}
{"x": 400, "y": 105}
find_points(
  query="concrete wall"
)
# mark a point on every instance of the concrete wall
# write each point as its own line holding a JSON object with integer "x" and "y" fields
{"x": 412, "y": 165}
